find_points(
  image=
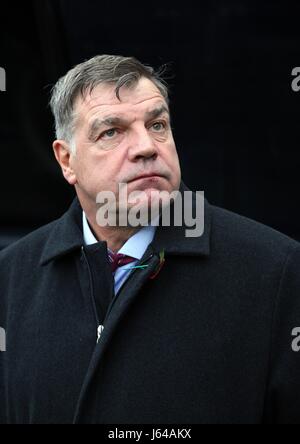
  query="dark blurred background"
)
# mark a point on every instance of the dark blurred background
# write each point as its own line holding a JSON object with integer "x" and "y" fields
{"x": 236, "y": 118}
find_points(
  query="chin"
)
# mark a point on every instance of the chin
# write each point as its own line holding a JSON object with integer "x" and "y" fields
{"x": 152, "y": 199}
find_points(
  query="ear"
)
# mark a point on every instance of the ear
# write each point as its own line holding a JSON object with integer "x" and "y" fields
{"x": 62, "y": 152}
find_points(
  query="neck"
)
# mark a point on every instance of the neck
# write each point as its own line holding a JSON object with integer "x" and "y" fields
{"x": 115, "y": 237}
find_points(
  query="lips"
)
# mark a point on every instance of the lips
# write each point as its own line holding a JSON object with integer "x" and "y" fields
{"x": 147, "y": 176}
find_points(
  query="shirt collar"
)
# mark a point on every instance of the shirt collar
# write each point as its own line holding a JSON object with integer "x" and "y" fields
{"x": 135, "y": 246}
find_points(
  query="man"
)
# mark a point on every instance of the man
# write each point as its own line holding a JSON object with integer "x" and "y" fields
{"x": 174, "y": 329}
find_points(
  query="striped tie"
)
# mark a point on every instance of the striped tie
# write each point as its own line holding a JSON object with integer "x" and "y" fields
{"x": 118, "y": 260}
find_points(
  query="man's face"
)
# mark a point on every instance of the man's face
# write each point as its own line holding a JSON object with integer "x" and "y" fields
{"x": 120, "y": 141}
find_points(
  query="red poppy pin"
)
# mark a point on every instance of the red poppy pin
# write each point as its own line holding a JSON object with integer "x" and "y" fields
{"x": 162, "y": 260}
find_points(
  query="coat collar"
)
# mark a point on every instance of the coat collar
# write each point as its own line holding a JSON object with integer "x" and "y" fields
{"x": 66, "y": 235}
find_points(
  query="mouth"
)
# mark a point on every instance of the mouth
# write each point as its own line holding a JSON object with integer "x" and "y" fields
{"x": 151, "y": 176}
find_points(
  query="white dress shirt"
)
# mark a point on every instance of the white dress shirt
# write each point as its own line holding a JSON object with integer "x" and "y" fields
{"x": 135, "y": 247}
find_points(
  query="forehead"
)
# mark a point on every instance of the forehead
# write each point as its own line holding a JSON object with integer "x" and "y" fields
{"x": 102, "y": 100}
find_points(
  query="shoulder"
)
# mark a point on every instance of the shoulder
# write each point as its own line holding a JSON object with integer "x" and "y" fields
{"x": 49, "y": 241}
{"x": 242, "y": 236}
{"x": 27, "y": 247}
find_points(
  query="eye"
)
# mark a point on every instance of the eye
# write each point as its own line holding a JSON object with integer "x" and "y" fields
{"x": 109, "y": 134}
{"x": 158, "y": 126}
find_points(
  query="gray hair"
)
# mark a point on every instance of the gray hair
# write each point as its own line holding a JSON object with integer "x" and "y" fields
{"x": 83, "y": 78}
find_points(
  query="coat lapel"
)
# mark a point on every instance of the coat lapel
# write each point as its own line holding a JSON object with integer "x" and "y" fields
{"x": 66, "y": 235}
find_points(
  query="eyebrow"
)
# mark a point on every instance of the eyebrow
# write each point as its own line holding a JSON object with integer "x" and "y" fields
{"x": 156, "y": 112}
{"x": 109, "y": 121}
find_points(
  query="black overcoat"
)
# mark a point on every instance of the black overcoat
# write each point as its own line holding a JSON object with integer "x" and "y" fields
{"x": 212, "y": 339}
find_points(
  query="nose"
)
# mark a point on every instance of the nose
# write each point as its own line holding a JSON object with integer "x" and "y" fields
{"x": 141, "y": 145}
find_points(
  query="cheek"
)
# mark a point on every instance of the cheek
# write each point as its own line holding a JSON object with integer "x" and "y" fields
{"x": 171, "y": 156}
{"x": 87, "y": 171}
{"x": 82, "y": 170}
{"x": 173, "y": 163}
{"x": 103, "y": 173}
